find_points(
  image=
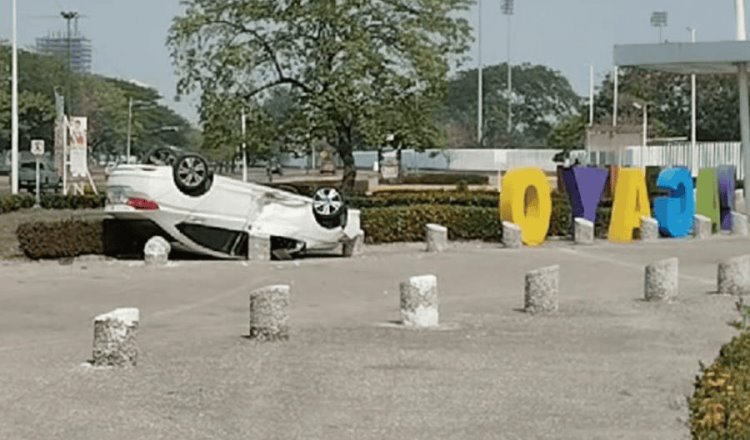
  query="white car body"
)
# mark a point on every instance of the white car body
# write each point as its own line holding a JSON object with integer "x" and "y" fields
{"x": 135, "y": 191}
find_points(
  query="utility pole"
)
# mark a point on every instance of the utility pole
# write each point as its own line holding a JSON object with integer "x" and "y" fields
{"x": 744, "y": 110}
{"x": 591, "y": 95}
{"x": 14, "y": 106}
{"x": 68, "y": 17}
{"x": 508, "y": 9}
{"x": 244, "y": 146}
{"x": 693, "y": 110}
{"x": 480, "y": 110}
{"x": 130, "y": 128}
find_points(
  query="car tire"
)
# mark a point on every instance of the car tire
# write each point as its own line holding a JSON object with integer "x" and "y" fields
{"x": 161, "y": 156}
{"x": 192, "y": 175}
{"x": 329, "y": 208}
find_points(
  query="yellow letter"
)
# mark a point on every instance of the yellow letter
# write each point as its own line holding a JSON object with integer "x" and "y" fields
{"x": 631, "y": 203}
{"x": 526, "y": 201}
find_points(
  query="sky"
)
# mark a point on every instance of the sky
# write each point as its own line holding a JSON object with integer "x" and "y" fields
{"x": 129, "y": 36}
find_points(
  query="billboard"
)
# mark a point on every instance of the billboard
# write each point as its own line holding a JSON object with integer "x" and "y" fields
{"x": 78, "y": 146}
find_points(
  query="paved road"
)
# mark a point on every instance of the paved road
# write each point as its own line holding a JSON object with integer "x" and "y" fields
{"x": 608, "y": 366}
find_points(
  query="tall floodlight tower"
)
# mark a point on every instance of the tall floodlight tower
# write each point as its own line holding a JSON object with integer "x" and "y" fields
{"x": 480, "y": 66}
{"x": 14, "y": 106}
{"x": 659, "y": 21}
{"x": 508, "y": 9}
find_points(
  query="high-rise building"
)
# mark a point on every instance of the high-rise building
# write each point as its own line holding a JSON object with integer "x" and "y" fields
{"x": 78, "y": 48}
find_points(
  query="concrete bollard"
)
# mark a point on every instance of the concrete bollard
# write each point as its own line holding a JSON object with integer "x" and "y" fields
{"x": 661, "y": 280}
{"x": 115, "y": 338}
{"x": 734, "y": 276}
{"x": 269, "y": 313}
{"x": 156, "y": 252}
{"x": 512, "y": 236}
{"x": 258, "y": 248}
{"x": 436, "y": 237}
{"x": 583, "y": 232}
{"x": 649, "y": 229}
{"x": 702, "y": 227}
{"x": 354, "y": 247}
{"x": 739, "y": 200}
{"x": 419, "y": 302}
{"x": 542, "y": 287}
{"x": 739, "y": 224}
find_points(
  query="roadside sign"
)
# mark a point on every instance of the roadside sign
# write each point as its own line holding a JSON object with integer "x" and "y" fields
{"x": 37, "y": 147}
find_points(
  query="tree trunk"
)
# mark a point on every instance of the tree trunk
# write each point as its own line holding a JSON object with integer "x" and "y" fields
{"x": 346, "y": 152}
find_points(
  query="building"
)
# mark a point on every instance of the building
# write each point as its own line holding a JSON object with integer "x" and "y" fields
{"x": 57, "y": 45}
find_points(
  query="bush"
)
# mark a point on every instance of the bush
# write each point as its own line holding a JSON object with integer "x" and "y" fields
{"x": 445, "y": 179}
{"x": 406, "y": 223}
{"x": 51, "y": 201}
{"x": 483, "y": 199}
{"x": 720, "y": 405}
{"x": 67, "y": 238}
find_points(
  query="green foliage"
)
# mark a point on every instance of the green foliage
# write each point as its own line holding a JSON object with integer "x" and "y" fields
{"x": 480, "y": 199}
{"x": 103, "y": 100}
{"x": 669, "y": 98}
{"x": 445, "y": 179}
{"x": 569, "y": 134}
{"x": 10, "y": 203}
{"x": 69, "y": 238}
{"x": 358, "y": 70}
{"x": 720, "y": 405}
{"x": 406, "y": 223}
{"x": 541, "y": 96}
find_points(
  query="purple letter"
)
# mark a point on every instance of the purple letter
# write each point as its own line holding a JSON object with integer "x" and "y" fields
{"x": 726, "y": 195}
{"x": 585, "y": 186}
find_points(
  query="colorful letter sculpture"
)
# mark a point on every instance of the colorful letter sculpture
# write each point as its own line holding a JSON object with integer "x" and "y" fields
{"x": 727, "y": 181}
{"x": 707, "y": 197}
{"x": 675, "y": 212}
{"x": 585, "y": 187}
{"x": 526, "y": 201}
{"x": 630, "y": 204}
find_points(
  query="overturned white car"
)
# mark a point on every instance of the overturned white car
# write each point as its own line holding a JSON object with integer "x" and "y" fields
{"x": 175, "y": 195}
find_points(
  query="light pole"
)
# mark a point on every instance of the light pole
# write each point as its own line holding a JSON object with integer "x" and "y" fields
{"x": 14, "y": 107}
{"x": 693, "y": 110}
{"x": 508, "y": 9}
{"x": 244, "y": 146}
{"x": 659, "y": 21}
{"x": 480, "y": 110}
{"x": 131, "y": 103}
{"x": 744, "y": 104}
{"x": 643, "y": 107}
{"x": 591, "y": 95}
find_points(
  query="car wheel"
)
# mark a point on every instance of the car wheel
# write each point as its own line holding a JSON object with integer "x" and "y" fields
{"x": 192, "y": 175}
{"x": 329, "y": 208}
{"x": 161, "y": 156}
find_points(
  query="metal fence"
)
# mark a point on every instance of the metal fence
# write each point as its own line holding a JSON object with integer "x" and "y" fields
{"x": 707, "y": 154}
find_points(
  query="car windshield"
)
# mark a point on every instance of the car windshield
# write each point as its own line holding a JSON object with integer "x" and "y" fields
{"x": 28, "y": 166}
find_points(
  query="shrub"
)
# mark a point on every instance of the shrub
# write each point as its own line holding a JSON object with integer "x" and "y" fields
{"x": 484, "y": 199}
{"x": 51, "y": 201}
{"x": 405, "y": 224}
{"x": 445, "y": 179}
{"x": 720, "y": 405}
{"x": 67, "y": 238}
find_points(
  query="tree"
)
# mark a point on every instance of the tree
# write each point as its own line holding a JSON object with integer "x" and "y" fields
{"x": 569, "y": 134}
{"x": 541, "y": 97}
{"x": 361, "y": 69}
{"x": 668, "y": 96}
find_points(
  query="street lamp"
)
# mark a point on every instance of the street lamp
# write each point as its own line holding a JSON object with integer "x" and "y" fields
{"x": 693, "y": 117}
{"x": 659, "y": 21}
{"x": 508, "y": 9}
{"x": 643, "y": 107}
{"x": 14, "y": 107}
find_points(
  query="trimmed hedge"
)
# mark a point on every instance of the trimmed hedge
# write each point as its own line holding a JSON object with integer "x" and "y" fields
{"x": 482, "y": 199}
{"x": 63, "y": 239}
{"x": 406, "y": 224}
{"x": 51, "y": 201}
{"x": 445, "y": 179}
